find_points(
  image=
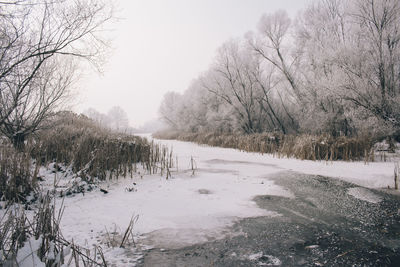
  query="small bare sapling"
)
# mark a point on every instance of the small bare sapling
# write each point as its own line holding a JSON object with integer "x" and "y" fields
{"x": 396, "y": 176}
{"x": 193, "y": 165}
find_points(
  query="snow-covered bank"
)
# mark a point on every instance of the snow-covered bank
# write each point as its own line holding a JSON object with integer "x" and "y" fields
{"x": 371, "y": 174}
{"x": 187, "y": 208}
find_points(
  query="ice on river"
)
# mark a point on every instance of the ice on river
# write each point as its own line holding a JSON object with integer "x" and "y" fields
{"x": 188, "y": 208}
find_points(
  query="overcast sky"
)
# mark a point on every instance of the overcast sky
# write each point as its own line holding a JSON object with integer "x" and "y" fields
{"x": 162, "y": 45}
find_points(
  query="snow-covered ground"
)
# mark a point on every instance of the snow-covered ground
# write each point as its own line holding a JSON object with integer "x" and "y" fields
{"x": 371, "y": 174}
{"x": 183, "y": 210}
{"x": 191, "y": 208}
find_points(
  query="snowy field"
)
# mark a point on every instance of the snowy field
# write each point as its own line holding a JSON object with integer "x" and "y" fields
{"x": 187, "y": 208}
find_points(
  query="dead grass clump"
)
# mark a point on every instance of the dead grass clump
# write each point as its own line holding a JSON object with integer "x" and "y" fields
{"x": 326, "y": 147}
{"x": 116, "y": 238}
{"x": 37, "y": 240}
{"x": 94, "y": 152}
{"x": 17, "y": 178}
{"x": 261, "y": 142}
{"x": 229, "y": 141}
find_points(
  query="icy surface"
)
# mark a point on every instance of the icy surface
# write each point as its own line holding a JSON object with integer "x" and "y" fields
{"x": 197, "y": 206}
{"x": 264, "y": 260}
{"x": 364, "y": 194}
{"x": 370, "y": 174}
{"x": 219, "y": 192}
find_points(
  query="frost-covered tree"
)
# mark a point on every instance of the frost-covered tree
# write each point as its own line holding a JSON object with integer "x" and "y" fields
{"x": 231, "y": 79}
{"x": 98, "y": 117}
{"x": 195, "y": 105}
{"x": 118, "y": 118}
{"x": 372, "y": 68}
{"x": 170, "y": 109}
{"x": 350, "y": 52}
{"x": 273, "y": 44}
{"x": 322, "y": 32}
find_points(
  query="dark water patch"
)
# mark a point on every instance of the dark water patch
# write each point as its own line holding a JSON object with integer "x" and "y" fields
{"x": 321, "y": 226}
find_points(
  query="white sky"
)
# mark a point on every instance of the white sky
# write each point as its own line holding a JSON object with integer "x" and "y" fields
{"x": 162, "y": 45}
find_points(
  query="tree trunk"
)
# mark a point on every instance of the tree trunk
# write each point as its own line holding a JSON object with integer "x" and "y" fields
{"x": 19, "y": 141}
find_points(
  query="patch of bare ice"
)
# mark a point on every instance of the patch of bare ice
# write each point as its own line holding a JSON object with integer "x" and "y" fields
{"x": 364, "y": 194}
{"x": 264, "y": 260}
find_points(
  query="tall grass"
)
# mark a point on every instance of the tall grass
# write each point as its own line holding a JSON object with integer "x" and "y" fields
{"x": 305, "y": 147}
{"x": 37, "y": 240}
{"x": 17, "y": 177}
{"x": 94, "y": 152}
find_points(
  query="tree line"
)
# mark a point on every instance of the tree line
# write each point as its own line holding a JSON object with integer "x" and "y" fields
{"x": 116, "y": 119}
{"x": 334, "y": 69}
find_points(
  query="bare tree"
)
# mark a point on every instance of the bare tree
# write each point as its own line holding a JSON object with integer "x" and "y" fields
{"x": 98, "y": 117}
{"x": 118, "y": 118}
{"x": 170, "y": 108}
{"x": 323, "y": 33}
{"x": 273, "y": 30}
{"x": 38, "y": 38}
{"x": 264, "y": 78}
{"x": 36, "y": 104}
{"x": 271, "y": 43}
{"x": 232, "y": 80}
{"x": 196, "y": 104}
{"x": 351, "y": 52}
{"x": 373, "y": 72}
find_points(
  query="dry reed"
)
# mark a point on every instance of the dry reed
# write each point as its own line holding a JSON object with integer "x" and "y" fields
{"x": 305, "y": 147}
{"x": 94, "y": 152}
{"x": 17, "y": 231}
